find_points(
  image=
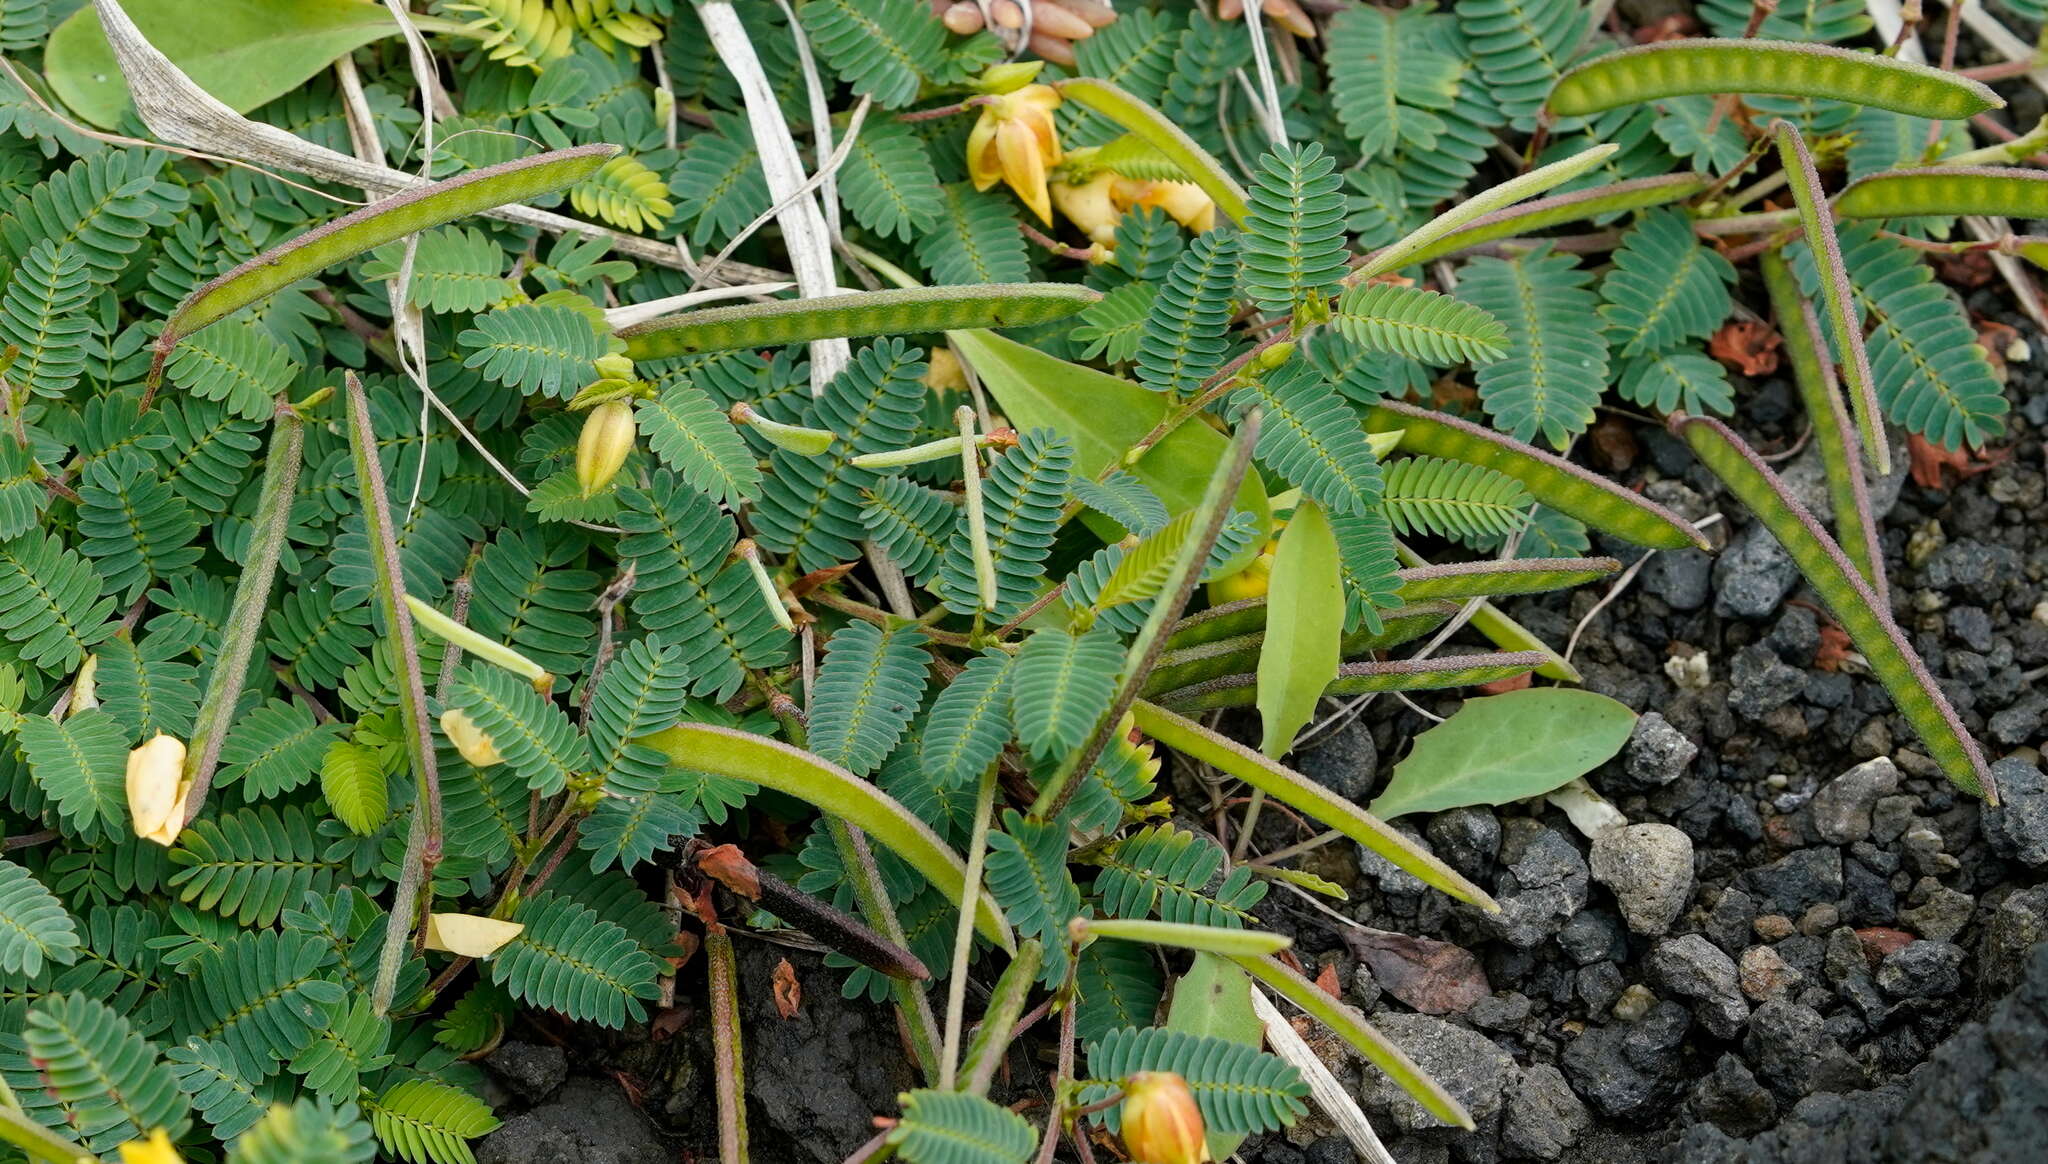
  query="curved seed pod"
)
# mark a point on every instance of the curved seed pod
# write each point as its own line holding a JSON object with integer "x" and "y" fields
{"x": 1674, "y": 68}
{"x": 1550, "y": 479}
{"x": 2000, "y": 191}
{"x": 1133, "y": 114}
{"x": 1841, "y": 460}
{"x": 1298, "y": 792}
{"x": 1859, "y": 609}
{"x": 1843, "y": 320}
{"x": 1577, "y": 206}
{"x": 861, "y": 313}
{"x": 1488, "y": 578}
{"x": 1363, "y": 678}
{"x": 1181, "y": 935}
{"x": 1353, "y": 1029}
{"x": 1402, "y": 253}
{"x": 380, "y": 222}
{"x": 1230, "y": 656}
{"x": 837, "y": 793}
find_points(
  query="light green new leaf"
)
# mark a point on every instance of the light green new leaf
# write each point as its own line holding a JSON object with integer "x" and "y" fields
{"x": 1304, "y": 627}
{"x": 1505, "y": 748}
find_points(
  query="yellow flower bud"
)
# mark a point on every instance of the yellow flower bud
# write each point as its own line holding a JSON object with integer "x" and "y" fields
{"x": 157, "y": 789}
{"x": 614, "y": 367}
{"x": 473, "y": 742}
{"x": 943, "y": 372}
{"x": 607, "y": 438}
{"x": 1090, "y": 206}
{"x": 156, "y": 1149}
{"x": 1007, "y": 77}
{"x": 469, "y": 935}
{"x": 1015, "y": 141}
{"x": 1162, "y": 1124}
{"x": 1250, "y": 582}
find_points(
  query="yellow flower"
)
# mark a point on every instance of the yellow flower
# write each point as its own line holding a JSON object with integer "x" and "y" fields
{"x": 1250, "y": 582}
{"x": 473, "y": 742}
{"x": 1184, "y": 202}
{"x": 1014, "y": 141}
{"x": 157, "y": 790}
{"x": 468, "y": 935}
{"x": 155, "y": 1150}
{"x": 1091, "y": 205}
{"x": 1162, "y": 1124}
{"x": 602, "y": 448}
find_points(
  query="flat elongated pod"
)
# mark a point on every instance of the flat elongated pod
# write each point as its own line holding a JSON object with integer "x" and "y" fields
{"x": 1550, "y": 479}
{"x": 1844, "y": 323}
{"x": 1432, "y": 674}
{"x": 1577, "y": 206}
{"x": 2004, "y": 191}
{"x": 380, "y": 222}
{"x": 1860, "y": 610}
{"x": 1159, "y": 131}
{"x": 1300, "y": 793}
{"x": 834, "y": 791}
{"x": 1490, "y": 578}
{"x": 1675, "y": 68}
{"x": 862, "y": 313}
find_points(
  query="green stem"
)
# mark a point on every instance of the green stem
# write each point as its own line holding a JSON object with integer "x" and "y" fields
{"x": 725, "y": 1043}
{"x": 37, "y": 1141}
{"x": 963, "y": 936}
{"x": 252, "y": 599}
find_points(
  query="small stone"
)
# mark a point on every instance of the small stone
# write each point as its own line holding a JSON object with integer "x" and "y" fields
{"x": 1792, "y": 1053}
{"x": 1346, "y": 763}
{"x": 531, "y": 1071}
{"x": 1634, "y": 1003}
{"x": 1691, "y": 967}
{"x": 1649, "y": 868}
{"x": 1544, "y": 884}
{"x": 2018, "y": 827}
{"x": 1467, "y": 839}
{"x": 588, "y": 1121}
{"x": 1682, "y": 578}
{"x": 1732, "y": 1099}
{"x": 1728, "y": 924}
{"x": 1819, "y": 918}
{"x": 1774, "y": 927}
{"x": 1798, "y": 879}
{"x": 1598, "y": 986}
{"x": 1592, "y": 935}
{"x": 1625, "y": 1069}
{"x": 1503, "y": 1011}
{"x": 1656, "y": 753}
{"x": 1765, "y": 975}
{"x": 1922, "y": 969}
{"x": 1842, "y": 807}
{"x": 1544, "y": 1119}
{"x": 1759, "y": 682}
{"x": 1943, "y": 915}
{"x": 2020, "y": 722}
{"x": 1892, "y": 817}
{"x": 1753, "y": 574}
{"x": 1466, "y": 1063}
{"x": 2013, "y": 929}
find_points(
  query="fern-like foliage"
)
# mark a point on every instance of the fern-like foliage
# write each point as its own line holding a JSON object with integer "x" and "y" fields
{"x": 1370, "y": 565}
{"x": 305, "y": 1130}
{"x": 426, "y": 1121}
{"x": 521, "y": 33}
{"x": 81, "y": 764}
{"x": 1027, "y": 873}
{"x": 625, "y": 193}
{"x": 1522, "y": 46}
{"x": 1123, "y": 499}
{"x": 249, "y": 865}
{"x": 641, "y": 692}
{"x": 34, "y": 927}
{"x": 1820, "y": 21}
{"x": 210, "y": 451}
{"x": 353, "y": 784}
{"x": 524, "y": 596}
{"x": 810, "y": 506}
{"x": 42, "y": 313}
{"x": 569, "y": 959}
{"x": 1136, "y": 54}
{"x": 259, "y": 993}
{"x": 22, "y": 496}
{"x": 888, "y": 183}
{"x": 1453, "y": 498}
{"x": 1060, "y": 684}
{"x": 975, "y": 240}
{"x": 237, "y": 363}
{"x": 147, "y": 694}
{"x": 677, "y": 540}
{"x": 721, "y": 180}
{"x": 911, "y": 523}
{"x": 955, "y": 1127}
{"x": 970, "y": 721}
{"x": 1386, "y": 79}
{"x": 1678, "y": 379}
{"x": 1186, "y": 331}
{"x": 1119, "y": 987}
{"x": 535, "y": 736}
{"x": 1021, "y": 502}
{"x": 1311, "y": 437}
{"x": 107, "y": 1077}
{"x": 1240, "y": 1089}
{"x": 692, "y": 435}
{"x": 455, "y": 269}
{"x": 1664, "y": 287}
{"x": 1171, "y": 871}
{"x": 136, "y": 528}
{"x": 351, "y": 1045}
{"x": 1419, "y": 324}
{"x": 1293, "y": 248}
{"x": 866, "y": 694}
{"x": 883, "y": 48}
{"x": 211, "y": 1079}
{"x": 106, "y": 205}
{"x": 1556, "y": 366}
{"x": 1113, "y": 326}
{"x": 534, "y": 347}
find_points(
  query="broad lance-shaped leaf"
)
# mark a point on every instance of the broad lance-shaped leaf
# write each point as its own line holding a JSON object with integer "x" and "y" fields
{"x": 1304, "y": 628}
{"x": 1674, "y": 68}
{"x": 1505, "y": 748}
{"x": 834, "y": 791}
{"x": 1862, "y": 613}
{"x": 1293, "y": 789}
{"x": 896, "y": 311}
{"x": 383, "y": 221}
{"x": 1550, "y": 479}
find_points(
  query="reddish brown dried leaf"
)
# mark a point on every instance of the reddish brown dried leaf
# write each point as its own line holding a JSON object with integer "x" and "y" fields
{"x": 1746, "y": 345}
{"x": 1835, "y": 647}
{"x": 789, "y": 994}
{"x": 1326, "y": 981}
{"x": 1431, "y": 976}
{"x": 1931, "y": 463}
{"x": 1503, "y": 686}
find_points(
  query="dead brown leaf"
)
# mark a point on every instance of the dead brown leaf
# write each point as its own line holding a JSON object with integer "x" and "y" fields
{"x": 1503, "y": 686}
{"x": 1931, "y": 463}
{"x": 789, "y": 994}
{"x": 1969, "y": 269}
{"x": 1835, "y": 647}
{"x": 1673, "y": 27}
{"x": 1431, "y": 976}
{"x": 1746, "y": 345}
{"x": 1326, "y": 981}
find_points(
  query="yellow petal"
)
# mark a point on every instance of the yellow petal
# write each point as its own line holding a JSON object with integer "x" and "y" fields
{"x": 473, "y": 742}
{"x": 469, "y": 935}
{"x": 157, "y": 789}
{"x": 1024, "y": 167}
{"x": 156, "y": 1149}
{"x": 1089, "y": 206}
{"x": 1162, "y": 1123}
{"x": 982, "y": 164}
{"x": 1186, "y": 202}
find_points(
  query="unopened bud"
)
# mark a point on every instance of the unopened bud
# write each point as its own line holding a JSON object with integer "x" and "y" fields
{"x": 475, "y": 744}
{"x": 1008, "y": 77}
{"x": 607, "y": 439}
{"x": 1162, "y": 1123}
{"x": 614, "y": 367}
{"x": 157, "y": 789}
